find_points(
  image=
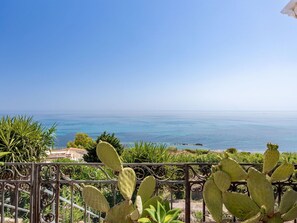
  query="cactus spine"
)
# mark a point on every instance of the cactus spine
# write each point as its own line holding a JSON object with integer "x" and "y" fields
{"x": 258, "y": 206}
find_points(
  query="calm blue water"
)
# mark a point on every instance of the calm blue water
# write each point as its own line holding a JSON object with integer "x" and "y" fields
{"x": 247, "y": 131}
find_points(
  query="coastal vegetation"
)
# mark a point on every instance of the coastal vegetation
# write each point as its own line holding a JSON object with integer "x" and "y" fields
{"x": 25, "y": 139}
{"x": 148, "y": 152}
{"x": 91, "y": 155}
{"x": 82, "y": 141}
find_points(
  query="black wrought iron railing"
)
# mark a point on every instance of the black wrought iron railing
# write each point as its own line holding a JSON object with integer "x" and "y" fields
{"x": 51, "y": 192}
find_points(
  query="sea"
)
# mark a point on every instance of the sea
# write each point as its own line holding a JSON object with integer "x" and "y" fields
{"x": 214, "y": 130}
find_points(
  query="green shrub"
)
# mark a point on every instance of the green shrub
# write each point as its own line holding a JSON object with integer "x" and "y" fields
{"x": 144, "y": 152}
{"x": 232, "y": 150}
{"x": 202, "y": 151}
{"x": 25, "y": 139}
{"x": 82, "y": 141}
{"x": 91, "y": 156}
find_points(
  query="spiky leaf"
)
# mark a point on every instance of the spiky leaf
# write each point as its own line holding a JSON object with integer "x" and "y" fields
{"x": 151, "y": 202}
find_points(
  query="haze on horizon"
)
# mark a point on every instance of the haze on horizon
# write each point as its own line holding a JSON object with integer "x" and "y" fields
{"x": 147, "y": 55}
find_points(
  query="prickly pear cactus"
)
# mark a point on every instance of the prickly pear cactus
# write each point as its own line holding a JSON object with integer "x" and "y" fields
{"x": 259, "y": 204}
{"x": 126, "y": 211}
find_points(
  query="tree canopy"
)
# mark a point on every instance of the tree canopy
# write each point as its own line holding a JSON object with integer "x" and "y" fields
{"x": 81, "y": 140}
{"x": 91, "y": 156}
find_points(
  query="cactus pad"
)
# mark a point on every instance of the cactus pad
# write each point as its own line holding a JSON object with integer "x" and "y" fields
{"x": 283, "y": 172}
{"x": 260, "y": 190}
{"x": 95, "y": 199}
{"x": 291, "y": 214}
{"x": 135, "y": 215}
{"x": 233, "y": 169}
{"x": 127, "y": 182}
{"x": 213, "y": 200}
{"x": 288, "y": 200}
{"x": 240, "y": 205}
{"x": 120, "y": 213}
{"x": 271, "y": 157}
{"x": 147, "y": 188}
{"x": 109, "y": 156}
{"x": 222, "y": 180}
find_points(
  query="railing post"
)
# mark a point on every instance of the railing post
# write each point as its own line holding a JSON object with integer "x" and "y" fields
{"x": 57, "y": 200}
{"x": 35, "y": 195}
{"x": 188, "y": 195}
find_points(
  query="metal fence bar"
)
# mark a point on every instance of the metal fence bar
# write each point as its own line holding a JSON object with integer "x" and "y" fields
{"x": 45, "y": 182}
{"x": 188, "y": 196}
{"x": 2, "y": 201}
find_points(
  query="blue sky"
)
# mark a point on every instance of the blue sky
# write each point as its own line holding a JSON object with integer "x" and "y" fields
{"x": 96, "y": 55}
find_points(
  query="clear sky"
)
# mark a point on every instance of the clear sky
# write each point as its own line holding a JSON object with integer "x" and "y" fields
{"x": 74, "y": 55}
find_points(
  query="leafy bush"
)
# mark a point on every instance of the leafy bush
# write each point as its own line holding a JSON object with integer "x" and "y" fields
{"x": 81, "y": 140}
{"x": 25, "y": 139}
{"x": 81, "y": 172}
{"x": 144, "y": 152}
{"x": 232, "y": 150}
{"x": 91, "y": 156}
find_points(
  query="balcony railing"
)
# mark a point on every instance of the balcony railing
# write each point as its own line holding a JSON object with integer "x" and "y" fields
{"x": 51, "y": 192}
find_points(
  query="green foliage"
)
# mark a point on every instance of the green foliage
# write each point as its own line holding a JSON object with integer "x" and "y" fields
{"x": 124, "y": 211}
{"x": 183, "y": 158}
{"x": 212, "y": 157}
{"x": 161, "y": 214}
{"x": 202, "y": 151}
{"x": 92, "y": 157}
{"x": 79, "y": 172}
{"x": 144, "y": 152}
{"x": 232, "y": 150}
{"x": 82, "y": 141}
{"x": 259, "y": 204}
{"x": 25, "y": 139}
{"x": 199, "y": 216}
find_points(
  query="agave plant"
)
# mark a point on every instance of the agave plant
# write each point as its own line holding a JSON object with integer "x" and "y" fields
{"x": 259, "y": 205}
{"x": 161, "y": 214}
